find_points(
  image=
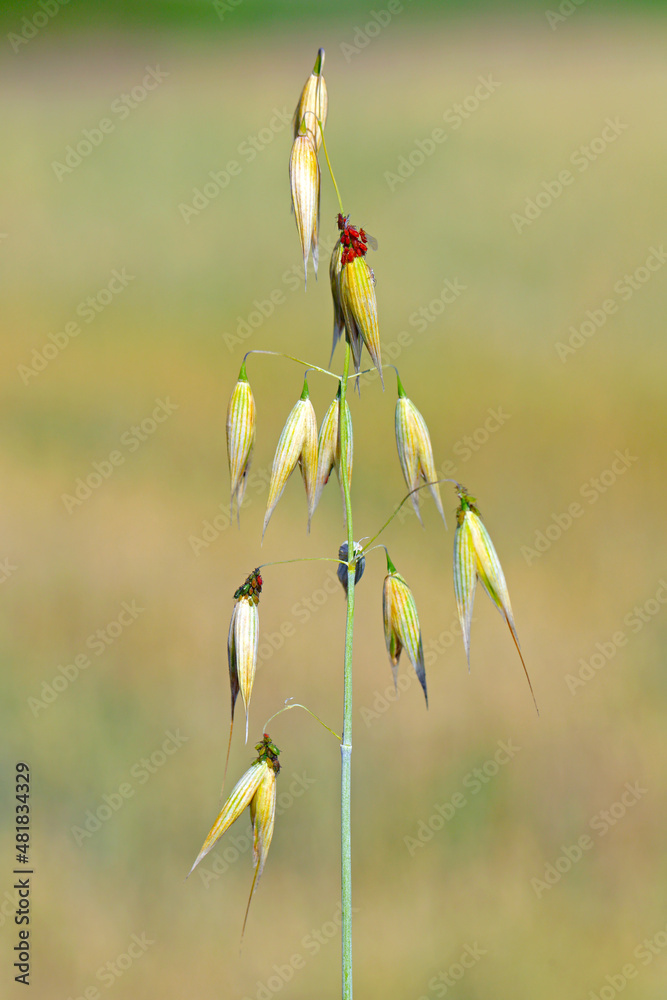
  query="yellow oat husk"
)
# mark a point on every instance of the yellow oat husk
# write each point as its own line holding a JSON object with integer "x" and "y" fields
{"x": 475, "y": 558}
{"x": 241, "y": 419}
{"x": 343, "y": 324}
{"x": 415, "y": 452}
{"x": 248, "y": 591}
{"x": 257, "y": 790}
{"x": 313, "y": 103}
{"x": 239, "y": 799}
{"x": 329, "y": 448}
{"x": 262, "y": 815}
{"x": 359, "y": 305}
{"x": 339, "y": 319}
{"x": 242, "y": 644}
{"x": 304, "y": 172}
{"x": 297, "y": 444}
{"x": 401, "y": 624}
{"x": 346, "y": 455}
{"x": 465, "y": 579}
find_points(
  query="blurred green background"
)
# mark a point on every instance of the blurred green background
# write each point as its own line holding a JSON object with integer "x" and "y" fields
{"x": 532, "y": 258}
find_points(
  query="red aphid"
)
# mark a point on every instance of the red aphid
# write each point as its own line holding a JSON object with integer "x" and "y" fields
{"x": 354, "y": 241}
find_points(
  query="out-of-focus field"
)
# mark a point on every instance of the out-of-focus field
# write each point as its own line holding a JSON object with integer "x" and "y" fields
{"x": 479, "y": 878}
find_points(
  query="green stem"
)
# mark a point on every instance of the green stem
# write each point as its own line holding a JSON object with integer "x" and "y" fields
{"x": 290, "y": 357}
{"x": 284, "y": 562}
{"x": 386, "y": 524}
{"x": 296, "y": 704}
{"x": 346, "y": 745}
{"x": 324, "y": 147}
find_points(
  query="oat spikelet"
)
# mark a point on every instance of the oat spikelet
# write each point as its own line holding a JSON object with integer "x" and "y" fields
{"x": 329, "y": 448}
{"x": 401, "y": 624}
{"x": 241, "y": 417}
{"x": 304, "y": 172}
{"x": 415, "y": 452}
{"x": 256, "y": 790}
{"x": 297, "y": 444}
{"x": 359, "y": 304}
{"x": 335, "y": 267}
{"x": 475, "y": 558}
{"x": 313, "y": 103}
{"x": 242, "y": 647}
{"x": 240, "y": 797}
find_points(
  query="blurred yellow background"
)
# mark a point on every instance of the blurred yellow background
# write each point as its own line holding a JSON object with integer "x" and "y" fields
{"x": 139, "y": 266}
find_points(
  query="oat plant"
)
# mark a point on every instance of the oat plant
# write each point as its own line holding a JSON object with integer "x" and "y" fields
{"x": 317, "y": 454}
